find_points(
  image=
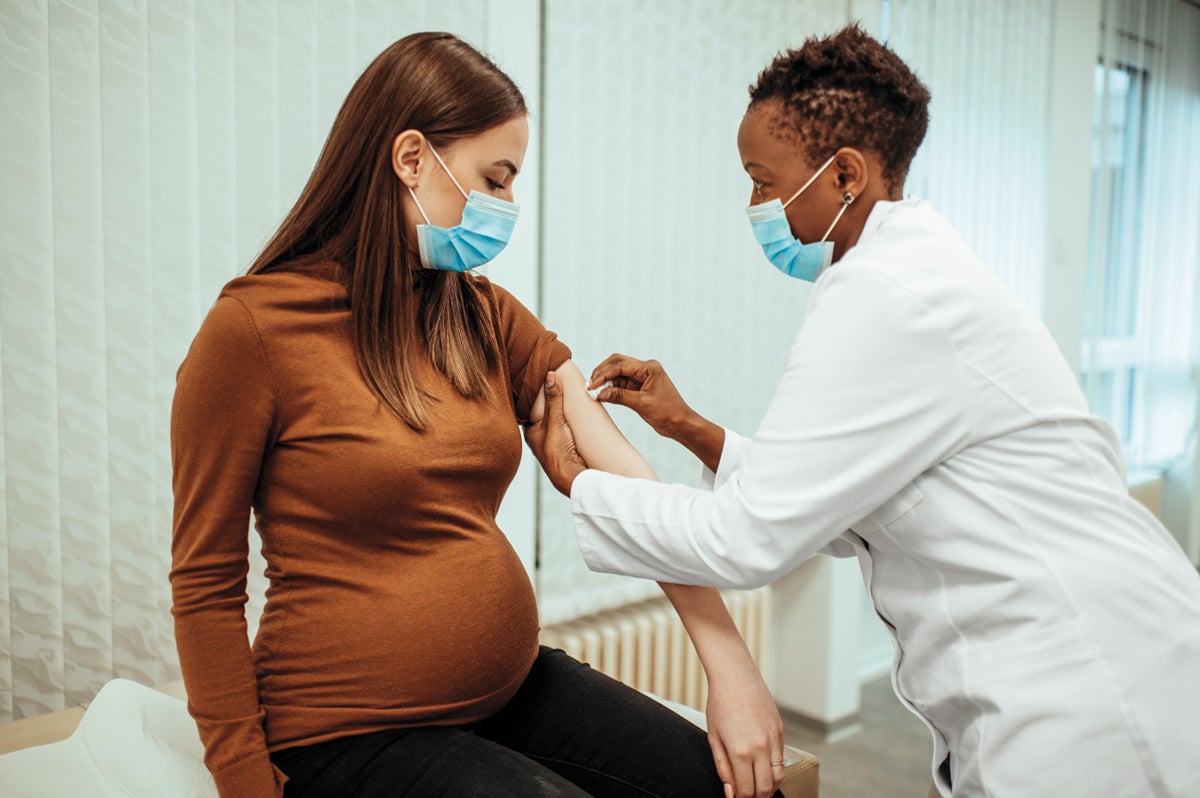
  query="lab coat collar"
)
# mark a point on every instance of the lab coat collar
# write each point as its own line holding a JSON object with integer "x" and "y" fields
{"x": 882, "y": 212}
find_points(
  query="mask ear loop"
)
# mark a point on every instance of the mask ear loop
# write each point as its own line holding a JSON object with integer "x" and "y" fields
{"x": 847, "y": 198}
{"x": 442, "y": 163}
{"x": 419, "y": 208}
{"x": 816, "y": 174}
{"x": 447, "y": 171}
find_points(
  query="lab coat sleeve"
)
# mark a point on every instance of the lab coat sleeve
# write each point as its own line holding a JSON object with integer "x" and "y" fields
{"x": 873, "y": 395}
{"x": 731, "y": 459}
{"x": 838, "y": 547}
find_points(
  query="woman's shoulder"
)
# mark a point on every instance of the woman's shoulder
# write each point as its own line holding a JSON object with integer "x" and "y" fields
{"x": 504, "y": 305}
{"x": 287, "y": 288}
{"x": 492, "y": 292}
{"x": 518, "y": 327}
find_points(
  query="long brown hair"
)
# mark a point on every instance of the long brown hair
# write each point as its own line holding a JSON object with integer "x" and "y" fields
{"x": 351, "y": 212}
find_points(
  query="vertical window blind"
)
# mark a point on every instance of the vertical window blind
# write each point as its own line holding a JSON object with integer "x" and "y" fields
{"x": 646, "y": 248}
{"x": 147, "y": 151}
{"x": 983, "y": 163}
{"x": 1142, "y": 335}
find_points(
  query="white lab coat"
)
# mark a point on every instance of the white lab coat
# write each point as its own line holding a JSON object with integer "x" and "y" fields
{"x": 1047, "y": 627}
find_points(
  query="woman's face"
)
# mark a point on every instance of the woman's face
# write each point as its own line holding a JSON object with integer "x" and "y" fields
{"x": 487, "y": 163}
{"x": 772, "y": 155}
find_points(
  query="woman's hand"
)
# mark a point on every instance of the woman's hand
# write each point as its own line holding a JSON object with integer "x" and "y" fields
{"x": 744, "y": 729}
{"x": 552, "y": 442}
{"x": 745, "y": 733}
{"x": 643, "y": 387}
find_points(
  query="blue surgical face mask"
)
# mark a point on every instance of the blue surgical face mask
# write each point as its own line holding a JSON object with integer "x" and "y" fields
{"x": 487, "y": 224}
{"x": 784, "y": 250}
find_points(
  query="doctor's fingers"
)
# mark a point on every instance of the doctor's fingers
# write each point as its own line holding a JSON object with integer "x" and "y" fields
{"x": 617, "y": 366}
{"x": 627, "y": 383}
{"x": 635, "y": 400}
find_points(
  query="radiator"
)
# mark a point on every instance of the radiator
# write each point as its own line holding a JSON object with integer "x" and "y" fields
{"x": 645, "y": 645}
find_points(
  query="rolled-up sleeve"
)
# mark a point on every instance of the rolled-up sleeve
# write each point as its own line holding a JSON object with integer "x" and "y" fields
{"x": 531, "y": 350}
{"x": 731, "y": 459}
{"x": 872, "y": 396}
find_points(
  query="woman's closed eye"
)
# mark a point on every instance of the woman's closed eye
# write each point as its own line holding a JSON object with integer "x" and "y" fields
{"x": 495, "y": 186}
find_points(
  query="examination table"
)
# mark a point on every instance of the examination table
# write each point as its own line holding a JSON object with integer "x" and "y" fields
{"x": 135, "y": 742}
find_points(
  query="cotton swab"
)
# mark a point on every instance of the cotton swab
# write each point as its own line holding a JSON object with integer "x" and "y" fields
{"x": 595, "y": 392}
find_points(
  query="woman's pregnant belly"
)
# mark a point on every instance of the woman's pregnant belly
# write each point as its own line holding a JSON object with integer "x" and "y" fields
{"x": 444, "y": 637}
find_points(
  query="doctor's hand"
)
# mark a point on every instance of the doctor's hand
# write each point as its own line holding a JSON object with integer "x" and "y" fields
{"x": 552, "y": 442}
{"x": 644, "y": 387}
{"x": 745, "y": 733}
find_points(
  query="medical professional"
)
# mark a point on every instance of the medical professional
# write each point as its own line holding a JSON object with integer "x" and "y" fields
{"x": 1047, "y": 627}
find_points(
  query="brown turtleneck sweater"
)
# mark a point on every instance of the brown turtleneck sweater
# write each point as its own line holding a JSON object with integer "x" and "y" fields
{"x": 394, "y": 598}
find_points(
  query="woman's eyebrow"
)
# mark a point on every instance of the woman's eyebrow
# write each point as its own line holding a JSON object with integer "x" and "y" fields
{"x": 748, "y": 165}
{"x": 508, "y": 165}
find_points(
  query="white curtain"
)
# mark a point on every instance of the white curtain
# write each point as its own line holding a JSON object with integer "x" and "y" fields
{"x": 983, "y": 163}
{"x": 147, "y": 150}
{"x": 1144, "y": 266}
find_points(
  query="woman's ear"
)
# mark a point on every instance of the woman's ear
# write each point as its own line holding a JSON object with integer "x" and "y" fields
{"x": 851, "y": 169}
{"x": 408, "y": 150}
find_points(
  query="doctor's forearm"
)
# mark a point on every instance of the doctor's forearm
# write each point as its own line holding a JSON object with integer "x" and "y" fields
{"x": 702, "y": 438}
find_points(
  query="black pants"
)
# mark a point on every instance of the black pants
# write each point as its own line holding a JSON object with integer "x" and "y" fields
{"x": 569, "y": 731}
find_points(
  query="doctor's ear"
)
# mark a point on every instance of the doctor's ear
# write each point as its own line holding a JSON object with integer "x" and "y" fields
{"x": 852, "y": 171}
{"x": 408, "y": 149}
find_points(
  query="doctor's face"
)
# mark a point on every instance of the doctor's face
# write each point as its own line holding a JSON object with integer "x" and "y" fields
{"x": 774, "y": 159}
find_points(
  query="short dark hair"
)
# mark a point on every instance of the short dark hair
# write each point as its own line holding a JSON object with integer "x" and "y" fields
{"x": 848, "y": 90}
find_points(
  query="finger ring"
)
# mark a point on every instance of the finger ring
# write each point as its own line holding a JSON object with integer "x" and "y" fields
{"x": 776, "y": 764}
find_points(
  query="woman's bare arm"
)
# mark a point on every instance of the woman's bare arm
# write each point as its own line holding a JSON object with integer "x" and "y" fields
{"x": 745, "y": 730}
{"x": 597, "y": 438}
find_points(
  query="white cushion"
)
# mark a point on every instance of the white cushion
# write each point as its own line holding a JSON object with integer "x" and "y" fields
{"x": 133, "y": 742}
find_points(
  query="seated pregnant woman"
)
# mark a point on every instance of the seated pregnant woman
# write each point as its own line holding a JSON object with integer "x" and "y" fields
{"x": 361, "y": 392}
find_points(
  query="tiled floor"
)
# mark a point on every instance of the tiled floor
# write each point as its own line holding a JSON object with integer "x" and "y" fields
{"x": 889, "y": 758}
